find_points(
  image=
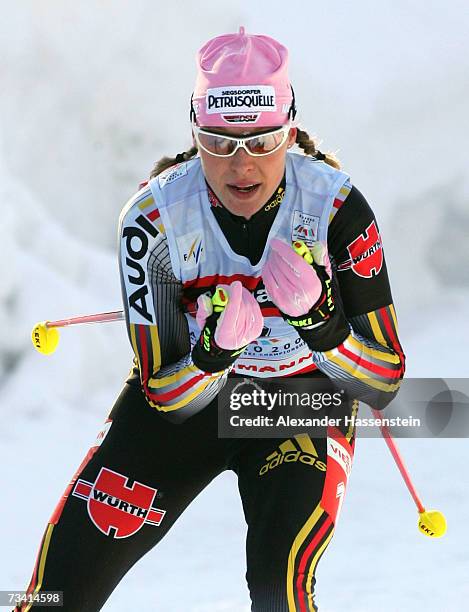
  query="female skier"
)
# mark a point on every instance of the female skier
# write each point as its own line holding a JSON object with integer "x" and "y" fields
{"x": 239, "y": 257}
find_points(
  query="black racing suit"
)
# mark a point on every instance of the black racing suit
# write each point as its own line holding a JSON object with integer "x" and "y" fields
{"x": 145, "y": 469}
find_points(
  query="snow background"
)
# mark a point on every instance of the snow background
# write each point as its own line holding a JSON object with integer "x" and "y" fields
{"x": 94, "y": 93}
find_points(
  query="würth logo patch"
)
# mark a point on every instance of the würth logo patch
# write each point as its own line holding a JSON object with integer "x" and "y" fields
{"x": 366, "y": 254}
{"x": 117, "y": 508}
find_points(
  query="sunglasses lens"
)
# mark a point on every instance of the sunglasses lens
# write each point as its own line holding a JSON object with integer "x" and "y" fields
{"x": 216, "y": 144}
{"x": 265, "y": 143}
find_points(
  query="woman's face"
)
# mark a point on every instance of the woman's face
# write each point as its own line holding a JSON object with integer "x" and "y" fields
{"x": 244, "y": 183}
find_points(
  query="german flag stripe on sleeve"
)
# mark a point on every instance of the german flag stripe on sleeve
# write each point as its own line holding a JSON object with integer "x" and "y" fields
{"x": 166, "y": 389}
{"x": 388, "y": 318}
{"x": 370, "y": 357}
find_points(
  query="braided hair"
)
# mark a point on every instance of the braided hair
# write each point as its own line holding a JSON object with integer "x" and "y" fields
{"x": 308, "y": 145}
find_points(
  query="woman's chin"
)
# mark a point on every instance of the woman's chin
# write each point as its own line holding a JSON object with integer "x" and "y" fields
{"x": 243, "y": 203}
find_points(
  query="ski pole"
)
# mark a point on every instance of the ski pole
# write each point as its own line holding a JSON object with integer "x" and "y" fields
{"x": 432, "y": 523}
{"x": 45, "y": 335}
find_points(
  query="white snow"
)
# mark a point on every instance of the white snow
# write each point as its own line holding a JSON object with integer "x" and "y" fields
{"x": 91, "y": 96}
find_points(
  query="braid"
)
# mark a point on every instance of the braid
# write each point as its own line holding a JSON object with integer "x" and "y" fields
{"x": 167, "y": 162}
{"x": 308, "y": 145}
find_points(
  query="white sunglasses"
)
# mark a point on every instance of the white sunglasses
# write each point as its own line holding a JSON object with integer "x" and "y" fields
{"x": 256, "y": 145}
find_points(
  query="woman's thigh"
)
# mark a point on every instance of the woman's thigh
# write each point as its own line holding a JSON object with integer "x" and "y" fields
{"x": 131, "y": 487}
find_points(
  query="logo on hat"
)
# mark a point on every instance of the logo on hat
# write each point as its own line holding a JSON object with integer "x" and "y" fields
{"x": 115, "y": 507}
{"x": 238, "y": 118}
{"x": 245, "y": 99}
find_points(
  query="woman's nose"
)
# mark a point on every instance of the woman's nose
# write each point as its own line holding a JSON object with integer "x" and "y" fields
{"x": 242, "y": 160}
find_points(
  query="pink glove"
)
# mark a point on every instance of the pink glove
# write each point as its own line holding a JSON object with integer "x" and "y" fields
{"x": 293, "y": 281}
{"x": 238, "y": 319}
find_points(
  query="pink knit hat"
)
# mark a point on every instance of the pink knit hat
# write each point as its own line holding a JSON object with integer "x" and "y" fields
{"x": 242, "y": 79}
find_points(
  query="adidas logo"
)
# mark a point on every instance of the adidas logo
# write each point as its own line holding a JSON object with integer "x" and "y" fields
{"x": 300, "y": 448}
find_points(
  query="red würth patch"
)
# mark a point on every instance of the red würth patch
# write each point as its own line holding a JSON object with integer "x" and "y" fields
{"x": 366, "y": 253}
{"x": 116, "y": 508}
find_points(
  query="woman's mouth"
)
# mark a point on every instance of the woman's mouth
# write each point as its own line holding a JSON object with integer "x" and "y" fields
{"x": 244, "y": 190}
